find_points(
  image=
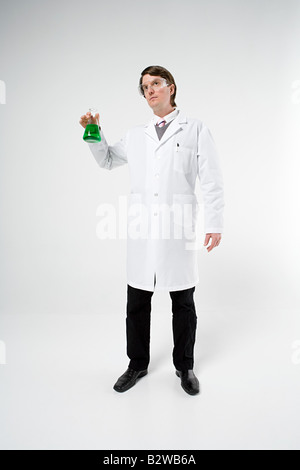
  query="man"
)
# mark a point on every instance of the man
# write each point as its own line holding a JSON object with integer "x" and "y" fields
{"x": 164, "y": 157}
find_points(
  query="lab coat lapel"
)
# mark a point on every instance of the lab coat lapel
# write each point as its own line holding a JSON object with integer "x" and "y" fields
{"x": 173, "y": 128}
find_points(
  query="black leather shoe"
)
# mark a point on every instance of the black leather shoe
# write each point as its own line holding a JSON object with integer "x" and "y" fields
{"x": 128, "y": 379}
{"x": 189, "y": 381}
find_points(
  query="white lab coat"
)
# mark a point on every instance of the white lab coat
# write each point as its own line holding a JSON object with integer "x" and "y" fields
{"x": 163, "y": 176}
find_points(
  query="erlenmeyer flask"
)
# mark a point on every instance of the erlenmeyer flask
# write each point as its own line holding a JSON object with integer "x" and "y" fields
{"x": 92, "y": 133}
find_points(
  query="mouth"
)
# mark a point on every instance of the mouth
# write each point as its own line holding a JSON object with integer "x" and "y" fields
{"x": 153, "y": 98}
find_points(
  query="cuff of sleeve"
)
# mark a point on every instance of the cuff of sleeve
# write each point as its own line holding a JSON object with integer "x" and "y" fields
{"x": 214, "y": 230}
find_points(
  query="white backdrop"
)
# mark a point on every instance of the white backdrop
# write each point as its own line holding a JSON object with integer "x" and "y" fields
{"x": 236, "y": 64}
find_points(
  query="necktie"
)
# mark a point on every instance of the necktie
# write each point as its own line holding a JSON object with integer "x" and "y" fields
{"x": 161, "y": 123}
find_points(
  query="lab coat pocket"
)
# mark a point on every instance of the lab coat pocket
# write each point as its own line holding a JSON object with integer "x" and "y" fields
{"x": 182, "y": 159}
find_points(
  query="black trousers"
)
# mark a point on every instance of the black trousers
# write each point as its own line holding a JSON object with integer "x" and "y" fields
{"x": 184, "y": 323}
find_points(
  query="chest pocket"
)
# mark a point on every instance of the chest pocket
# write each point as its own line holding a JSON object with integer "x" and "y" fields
{"x": 183, "y": 157}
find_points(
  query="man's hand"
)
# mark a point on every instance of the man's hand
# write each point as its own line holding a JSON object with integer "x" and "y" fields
{"x": 215, "y": 240}
{"x": 84, "y": 120}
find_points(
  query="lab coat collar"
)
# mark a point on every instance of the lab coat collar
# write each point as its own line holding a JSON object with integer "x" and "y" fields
{"x": 169, "y": 117}
{"x": 172, "y": 129}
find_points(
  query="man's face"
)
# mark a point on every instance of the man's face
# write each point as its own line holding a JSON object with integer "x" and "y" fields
{"x": 157, "y": 97}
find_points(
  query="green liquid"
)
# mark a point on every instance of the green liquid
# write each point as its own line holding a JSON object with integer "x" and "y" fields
{"x": 92, "y": 133}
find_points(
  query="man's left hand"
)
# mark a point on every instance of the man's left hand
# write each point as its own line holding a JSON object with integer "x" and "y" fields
{"x": 215, "y": 240}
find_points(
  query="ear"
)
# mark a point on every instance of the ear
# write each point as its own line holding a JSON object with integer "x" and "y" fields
{"x": 172, "y": 88}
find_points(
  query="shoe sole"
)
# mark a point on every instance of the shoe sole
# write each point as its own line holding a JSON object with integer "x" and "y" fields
{"x": 142, "y": 374}
{"x": 185, "y": 389}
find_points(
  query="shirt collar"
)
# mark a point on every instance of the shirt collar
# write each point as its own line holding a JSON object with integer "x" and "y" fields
{"x": 169, "y": 117}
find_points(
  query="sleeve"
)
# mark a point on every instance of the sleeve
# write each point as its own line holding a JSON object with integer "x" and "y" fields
{"x": 211, "y": 182}
{"x": 110, "y": 156}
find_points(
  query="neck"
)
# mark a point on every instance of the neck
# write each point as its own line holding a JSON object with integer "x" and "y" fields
{"x": 163, "y": 112}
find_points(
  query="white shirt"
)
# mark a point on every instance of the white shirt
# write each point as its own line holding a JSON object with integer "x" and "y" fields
{"x": 169, "y": 117}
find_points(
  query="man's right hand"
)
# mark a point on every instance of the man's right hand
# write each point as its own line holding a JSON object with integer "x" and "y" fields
{"x": 84, "y": 120}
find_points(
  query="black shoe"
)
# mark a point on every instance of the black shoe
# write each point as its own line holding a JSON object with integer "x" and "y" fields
{"x": 189, "y": 381}
{"x": 128, "y": 379}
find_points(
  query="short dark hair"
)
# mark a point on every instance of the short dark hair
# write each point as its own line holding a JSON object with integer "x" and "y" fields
{"x": 157, "y": 70}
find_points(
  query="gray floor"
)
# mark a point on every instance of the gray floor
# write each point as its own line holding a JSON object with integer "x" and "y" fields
{"x": 56, "y": 384}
